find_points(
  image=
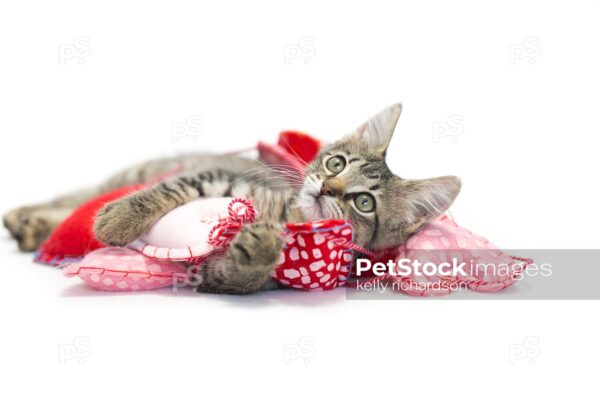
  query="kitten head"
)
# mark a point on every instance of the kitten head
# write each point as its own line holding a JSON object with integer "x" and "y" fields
{"x": 350, "y": 180}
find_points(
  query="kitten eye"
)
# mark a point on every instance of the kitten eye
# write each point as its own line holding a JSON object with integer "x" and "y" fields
{"x": 336, "y": 164}
{"x": 364, "y": 202}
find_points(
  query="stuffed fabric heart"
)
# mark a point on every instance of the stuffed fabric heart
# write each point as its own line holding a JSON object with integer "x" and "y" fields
{"x": 294, "y": 151}
{"x": 316, "y": 255}
{"x": 74, "y": 237}
{"x": 120, "y": 269}
{"x": 442, "y": 241}
{"x": 195, "y": 231}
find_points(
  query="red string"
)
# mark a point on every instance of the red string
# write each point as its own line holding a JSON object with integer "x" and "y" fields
{"x": 354, "y": 246}
{"x": 239, "y": 212}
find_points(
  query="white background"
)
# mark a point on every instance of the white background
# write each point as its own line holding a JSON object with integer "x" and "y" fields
{"x": 519, "y": 77}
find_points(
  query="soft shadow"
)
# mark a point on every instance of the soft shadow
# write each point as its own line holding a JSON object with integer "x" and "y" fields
{"x": 81, "y": 289}
{"x": 290, "y": 297}
{"x": 261, "y": 299}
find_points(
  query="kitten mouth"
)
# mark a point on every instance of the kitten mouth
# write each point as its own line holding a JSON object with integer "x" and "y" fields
{"x": 327, "y": 207}
{"x": 313, "y": 207}
{"x": 319, "y": 206}
{"x": 310, "y": 200}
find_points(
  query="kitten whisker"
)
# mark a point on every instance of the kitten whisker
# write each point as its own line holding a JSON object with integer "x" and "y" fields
{"x": 282, "y": 180}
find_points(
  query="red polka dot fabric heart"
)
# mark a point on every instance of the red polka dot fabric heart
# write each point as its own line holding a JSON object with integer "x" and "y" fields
{"x": 315, "y": 256}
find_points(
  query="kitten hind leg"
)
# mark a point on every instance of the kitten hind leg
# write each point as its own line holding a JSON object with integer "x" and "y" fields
{"x": 30, "y": 226}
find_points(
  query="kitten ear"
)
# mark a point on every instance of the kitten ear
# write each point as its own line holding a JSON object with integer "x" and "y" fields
{"x": 427, "y": 198}
{"x": 377, "y": 132}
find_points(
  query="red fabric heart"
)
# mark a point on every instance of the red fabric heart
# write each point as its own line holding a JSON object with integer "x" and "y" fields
{"x": 316, "y": 255}
{"x": 302, "y": 145}
{"x": 293, "y": 150}
{"x": 74, "y": 237}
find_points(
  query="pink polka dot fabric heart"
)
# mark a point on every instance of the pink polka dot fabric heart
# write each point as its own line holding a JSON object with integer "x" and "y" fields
{"x": 119, "y": 269}
{"x": 442, "y": 241}
{"x": 315, "y": 256}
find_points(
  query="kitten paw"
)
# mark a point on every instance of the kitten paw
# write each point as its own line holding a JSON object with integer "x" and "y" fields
{"x": 119, "y": 223}
{"x": 257, "y": 245}
{"x": 13, "y": 220}
{"x": 30, "y": 226}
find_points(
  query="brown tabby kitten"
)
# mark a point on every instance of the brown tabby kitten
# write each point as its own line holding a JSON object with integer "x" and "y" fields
{"x": 349, "y": 179}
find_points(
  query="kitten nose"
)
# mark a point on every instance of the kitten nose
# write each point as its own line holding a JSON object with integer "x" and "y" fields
{"x": 326, "y": 190}
{"x": 332, "y": 187}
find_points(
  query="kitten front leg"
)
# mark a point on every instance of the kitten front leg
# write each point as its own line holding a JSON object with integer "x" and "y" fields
{"x": 245, "y": 267}
{"x": 122, "y": 221}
